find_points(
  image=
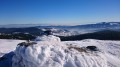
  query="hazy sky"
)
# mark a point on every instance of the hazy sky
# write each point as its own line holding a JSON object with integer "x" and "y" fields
{"x": 58, "y": 11}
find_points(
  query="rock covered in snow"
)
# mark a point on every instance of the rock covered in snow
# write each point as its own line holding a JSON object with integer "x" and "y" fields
{"x": 51, "y": 54}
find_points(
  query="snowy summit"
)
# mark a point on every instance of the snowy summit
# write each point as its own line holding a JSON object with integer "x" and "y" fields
{"x": 49, "y": 51}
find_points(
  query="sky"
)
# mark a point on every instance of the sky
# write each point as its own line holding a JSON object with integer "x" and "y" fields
{"x": 62, "y": 12}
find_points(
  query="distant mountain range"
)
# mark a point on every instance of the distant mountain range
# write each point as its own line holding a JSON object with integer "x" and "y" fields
{"x": 21, "y": 25}
{"x": 60, "y": 30}
{"x": 100, "y": 25}
{"x": 97, "y": 25}
{"x": 86, "y": 26}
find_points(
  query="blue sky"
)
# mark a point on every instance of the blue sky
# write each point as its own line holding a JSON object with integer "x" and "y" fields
{"x": 65, "y": 12}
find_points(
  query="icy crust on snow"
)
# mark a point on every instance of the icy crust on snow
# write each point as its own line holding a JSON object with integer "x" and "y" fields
{"x": 52, "y": 54}
{"x": 48, "y": 38}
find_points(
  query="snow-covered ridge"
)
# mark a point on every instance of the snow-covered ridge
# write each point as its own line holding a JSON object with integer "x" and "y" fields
{"x": 109, "y": 51}
{"x": 48, "y": 53}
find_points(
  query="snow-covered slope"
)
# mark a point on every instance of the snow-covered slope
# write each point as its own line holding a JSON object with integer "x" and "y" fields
{"x": 110, "y": 48}
{"x": 46, "y": 54}
{"x": 51, "y": 52}
{"x": 56, "y": 54}
{"x": 8, "y": 45}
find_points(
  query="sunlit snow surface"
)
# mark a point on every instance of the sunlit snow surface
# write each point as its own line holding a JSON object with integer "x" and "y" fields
{"x": 53, "y": 53}
{"x": 8, "y": 45}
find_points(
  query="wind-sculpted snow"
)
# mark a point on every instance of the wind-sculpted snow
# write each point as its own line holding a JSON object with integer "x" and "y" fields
{"x": 53, "y": 53}
{"x": 111, "y": 49}
{"x": 48, "y": 53}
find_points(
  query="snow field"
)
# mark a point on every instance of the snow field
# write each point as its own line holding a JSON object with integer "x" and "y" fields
{"x": 55, "y": 54}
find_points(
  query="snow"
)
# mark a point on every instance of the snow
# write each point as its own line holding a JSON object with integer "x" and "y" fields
{"x": 8, "y": 45}
{"x": 47, "y": 53}
{"x": 7, "y": 60}
{"x": 50, "y": 55}
{"x": 110, "y": 48}
{"x": 51, "y": 52}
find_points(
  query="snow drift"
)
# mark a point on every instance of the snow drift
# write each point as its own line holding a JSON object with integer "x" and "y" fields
{"x": 50, "y": 52}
